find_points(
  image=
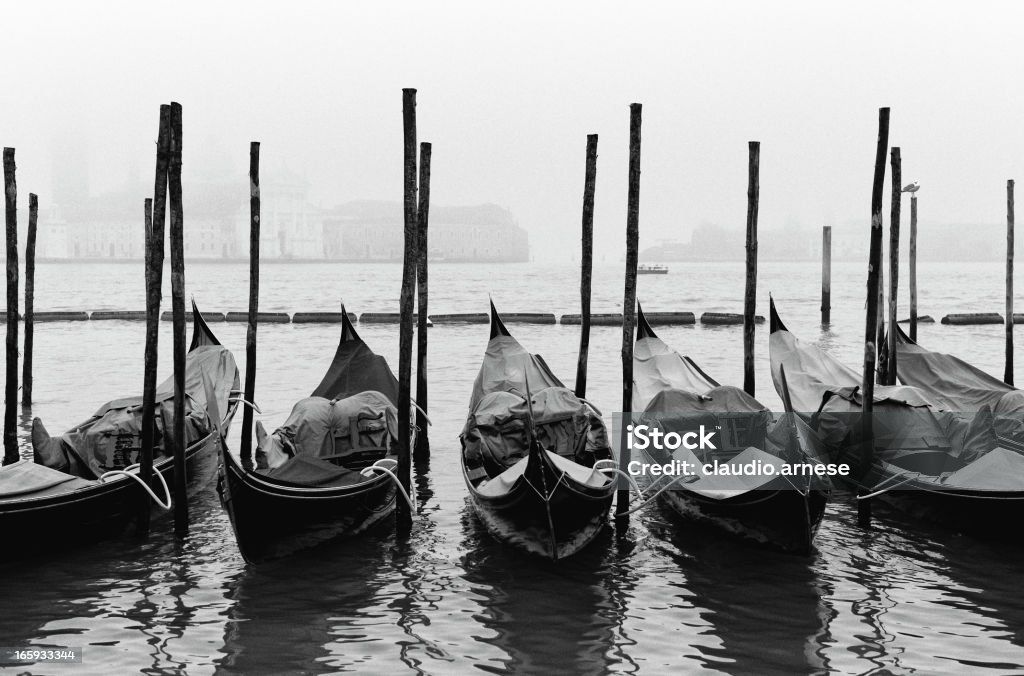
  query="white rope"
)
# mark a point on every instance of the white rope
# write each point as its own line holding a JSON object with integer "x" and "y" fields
{"x": 647, "y": 501}
{"x": 245, "y": 401}
{"x": 164, "y": 504}
{"x": 367, "y": 471}
{"x": 878, "y": 491}
{"x": 615, "y": 470}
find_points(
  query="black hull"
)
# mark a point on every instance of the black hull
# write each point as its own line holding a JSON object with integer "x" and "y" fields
{"x": 545, "y": 512}
{"x": 271, "y": 520}
{"x": 106, "y": 510}
{"x": 781, "y": 518}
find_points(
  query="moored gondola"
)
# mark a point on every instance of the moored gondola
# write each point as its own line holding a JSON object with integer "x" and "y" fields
{"x": 83, "y": 486}
{"x": 328, "y": 471}
{"x": 781, "y": 505}
{"x": 529, "y": 450}
{"x": 943, "y": 465}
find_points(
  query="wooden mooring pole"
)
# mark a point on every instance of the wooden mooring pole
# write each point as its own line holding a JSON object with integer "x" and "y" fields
{"x": 912, "y": 267}
{"x": 586, "y": 263}
{"x": 826, "y": 275}
{"x": 11, "y": 391}
{"x": 154, "y": 217}
{"x": 894, "y": 261}
{"x": 750, "y": 295}
{"x": 1008, "y": 373}
{"x": 871, "y": 320}
{"x": 245, "y": 450}
{"x": 422, "y": 445}
{"x": 629, "y": 298}
{"x": 403, "y": 513}
{"x": 30, "y": 287}
{"x": 178, "y": 311}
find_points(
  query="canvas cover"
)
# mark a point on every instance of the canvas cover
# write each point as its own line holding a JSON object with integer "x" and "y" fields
{"x": 952, "y": 382}
{"x": 112, "y": 437}
{"x": 356, "y": 368}
{"x": 506, "y": 368}
{"x": 331, "y": 429}
{"x": 913, "y": 431}
{"x": 657, "y": 367}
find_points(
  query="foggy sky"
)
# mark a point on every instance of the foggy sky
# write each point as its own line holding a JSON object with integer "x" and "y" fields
{"x": 509, "y": 91}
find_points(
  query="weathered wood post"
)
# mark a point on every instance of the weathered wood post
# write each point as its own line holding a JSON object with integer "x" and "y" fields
{"x": 871, "y": 320}
{"x": 912, "y": 271}
{"x": 422, "y": 449}
{"x": 245, "y": 451}
{"x": 629, "y": 297}
{"x": 826, "y": 275}
{"x": 1008, "y": 373}
{"x": 403, "y": 513}
{"x": 30, "y": 286}
{"x": 586, "y": 263}
{"x": 155, "y": 214}
{"x": 894, "y": 261}
{"x": 178, "y": 312}
{"x": 750, "y": 296}
{"x": 11, "y": 391}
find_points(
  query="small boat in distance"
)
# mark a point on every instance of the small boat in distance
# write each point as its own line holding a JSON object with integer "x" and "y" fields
{"x": 327, "y": 472}
{"x": 646, "y": 269}
{"x": 531, "y": 452}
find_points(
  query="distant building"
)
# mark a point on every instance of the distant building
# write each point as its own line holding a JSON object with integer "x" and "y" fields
{"x": 374, "y": 231}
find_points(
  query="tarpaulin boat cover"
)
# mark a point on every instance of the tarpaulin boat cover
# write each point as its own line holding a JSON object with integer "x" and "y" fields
{"x": 657, "y": 367}
{"x": 912, "y": 429}
{"x": 495, "y": 434}
{"x": 334, "y": 428}
{"x": 112, "y": 437}
{"x": 356, "y": 368}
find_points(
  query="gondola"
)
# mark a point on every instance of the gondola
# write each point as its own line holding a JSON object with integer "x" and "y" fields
{"x": 66, "y": 495}
{"x": 938, "y": 464}
{"x": 782, "y": 507}
{"x": 328, "y": 471}
{"x": 529, "y": 450}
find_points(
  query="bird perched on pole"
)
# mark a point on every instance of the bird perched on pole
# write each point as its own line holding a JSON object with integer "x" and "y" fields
{"x": 912, "y": 187}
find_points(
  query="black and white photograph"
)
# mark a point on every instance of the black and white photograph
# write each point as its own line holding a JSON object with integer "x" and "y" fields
{"x": 454, "y": 337}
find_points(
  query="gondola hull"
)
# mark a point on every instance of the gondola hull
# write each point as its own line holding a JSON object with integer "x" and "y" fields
{"x": 104, "y": 510}
{"x": 545, "y": 511}
{"x": 273, "y": 520}
{"x": 777, "y": 516}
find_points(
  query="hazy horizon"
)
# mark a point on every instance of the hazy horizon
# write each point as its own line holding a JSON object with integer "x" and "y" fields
{"x": 507, "y": 95}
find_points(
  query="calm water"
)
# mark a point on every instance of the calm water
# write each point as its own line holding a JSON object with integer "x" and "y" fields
{"x": 653, "y": 597}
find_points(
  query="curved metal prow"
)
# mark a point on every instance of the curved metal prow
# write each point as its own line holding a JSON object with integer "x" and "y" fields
{"x": 643, "y": 328}
{"x": 348, "y": 331}
{"x": 497, "y": 326}
{"x": 775, "y": 323}
{"x": 201, "y": 333}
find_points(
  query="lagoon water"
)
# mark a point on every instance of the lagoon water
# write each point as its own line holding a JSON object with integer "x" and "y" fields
{"x": 657, "y": 596}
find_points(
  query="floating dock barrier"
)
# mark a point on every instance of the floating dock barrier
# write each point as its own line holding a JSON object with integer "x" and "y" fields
{"x": 971, "y": 318}
{"x": 726, "y": 318}
{"x": 261, "y": 317}
{"x": 123, "y": 315}
{"x": 928, "y": 319}
{"x": 60, "y": 316}
{"x": 528, "y": 318}
{"x": 208, "y": 316}
{"x": 387, "y": 318}
{"x": 471, "y": 318}
{"x": 321, "y": 317}
{"x": 595, "y": 319}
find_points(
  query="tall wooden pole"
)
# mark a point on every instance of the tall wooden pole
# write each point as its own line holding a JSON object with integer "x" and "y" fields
{"x": 11, "y": 392}
{"x": 1008, "y": 373}
{"x": 155, "y": 214}
{"x": 894, "y": 260}
{"x": 629, "y": 297}
{"x": 586, "y": 263}
{"x": 178, "y": 312}
{"x": 422, "y": 449}
{"x": 245, "y": 451}
{"x": 912, "y": 272}
{"x": 826, "y": 275}
{"x": 30, "y": 286}
{"x": 750, "y": 296}
{"x": 871, "y": 320}
{"x": 404, "y": 515}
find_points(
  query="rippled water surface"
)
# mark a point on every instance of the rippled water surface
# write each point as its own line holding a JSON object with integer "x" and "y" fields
{"x": 653, "y": 597}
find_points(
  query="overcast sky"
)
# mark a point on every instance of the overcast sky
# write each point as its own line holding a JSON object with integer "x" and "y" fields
{"x": 509, "y": 91}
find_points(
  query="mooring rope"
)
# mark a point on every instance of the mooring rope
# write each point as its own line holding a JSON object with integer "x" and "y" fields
{"x": 127, "y": 471}
{"x": 367, "y": 471}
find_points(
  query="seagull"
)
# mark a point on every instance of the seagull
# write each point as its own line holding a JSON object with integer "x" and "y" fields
{"x": 912, "y": 187}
